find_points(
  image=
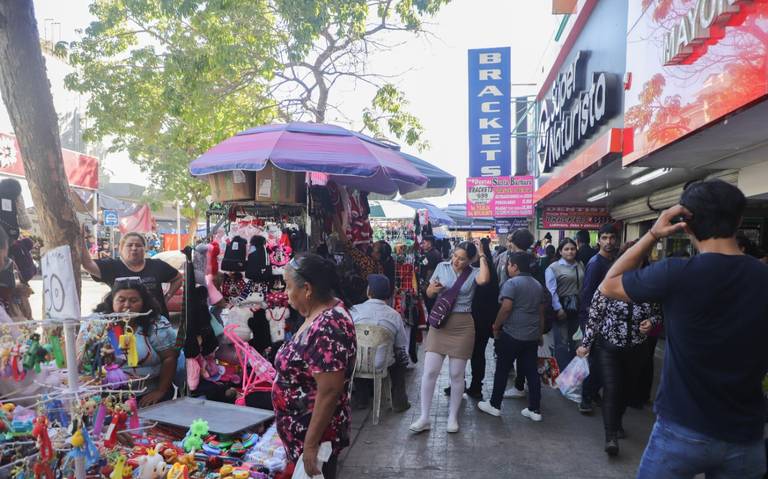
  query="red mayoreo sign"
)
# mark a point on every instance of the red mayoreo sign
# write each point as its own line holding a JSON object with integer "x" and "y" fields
{"x": 573, "y": 218}
{"x": 82, "y": 170}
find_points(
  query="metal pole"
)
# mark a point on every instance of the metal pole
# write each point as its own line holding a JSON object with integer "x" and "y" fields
{"x": 178, "y": 224}
{"x": 70, "y": 337}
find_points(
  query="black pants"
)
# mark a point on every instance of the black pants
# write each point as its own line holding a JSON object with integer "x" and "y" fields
{"x": 509, "y": 349}
{"x": 482, "y": 335}
{"x": 620, "y": 368}
{"x": 645, "y": 382}
{"x": 594, "y": 381}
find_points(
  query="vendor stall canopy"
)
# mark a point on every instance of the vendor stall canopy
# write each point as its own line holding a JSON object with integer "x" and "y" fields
{"x": 346, "y": 157}
{"x": 406, "y": 209}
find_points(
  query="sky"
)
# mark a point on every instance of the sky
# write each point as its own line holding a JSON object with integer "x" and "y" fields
{"x": 433, "y": 68}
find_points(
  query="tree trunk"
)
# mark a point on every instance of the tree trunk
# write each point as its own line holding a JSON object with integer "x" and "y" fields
{"x": 27, "y": 96}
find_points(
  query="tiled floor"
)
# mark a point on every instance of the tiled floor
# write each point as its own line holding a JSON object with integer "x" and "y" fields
{"x": 564, "y": 445}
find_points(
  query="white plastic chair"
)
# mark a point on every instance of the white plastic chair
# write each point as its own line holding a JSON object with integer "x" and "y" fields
{"x": 369, "y": 339}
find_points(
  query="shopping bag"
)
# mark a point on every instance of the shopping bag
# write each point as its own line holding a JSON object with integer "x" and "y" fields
{"x": 323, "y": 454}
{"x": 548, "y": 371}
{"x": 572, "y": 377}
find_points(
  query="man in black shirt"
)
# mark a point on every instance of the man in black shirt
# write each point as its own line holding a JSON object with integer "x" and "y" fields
{"x": 585, "y": 252}
{"x": 710, "y": 407}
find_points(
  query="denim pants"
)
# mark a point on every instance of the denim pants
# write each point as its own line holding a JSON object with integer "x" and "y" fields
{"x": 509, "y": 349}
{"x": 563, "y": 331}
{"x": 677, "y": 452}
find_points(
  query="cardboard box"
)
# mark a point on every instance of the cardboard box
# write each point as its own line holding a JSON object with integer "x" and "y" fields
{"x": 232, "y": 185}
{"x": 280, "y": 187}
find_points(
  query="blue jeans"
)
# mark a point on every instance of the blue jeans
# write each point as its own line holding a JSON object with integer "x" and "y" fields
{"x": 676, "y": 452}
{"x": 562, "y": 332}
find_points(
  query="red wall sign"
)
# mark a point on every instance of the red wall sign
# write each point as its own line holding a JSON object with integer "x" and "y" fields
{"x": 692, "y": 62}
{"x": 82, "y": 170}
{"x": 573, "y": 218}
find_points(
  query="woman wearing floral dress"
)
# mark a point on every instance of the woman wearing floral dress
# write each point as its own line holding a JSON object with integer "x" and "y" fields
{"x": 621, "y": 329}
{"x": 310, "y": 394}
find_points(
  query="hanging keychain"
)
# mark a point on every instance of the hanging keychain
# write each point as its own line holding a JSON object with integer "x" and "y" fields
{"x": 128, "y": 344}
{"x": 57, "y": 352}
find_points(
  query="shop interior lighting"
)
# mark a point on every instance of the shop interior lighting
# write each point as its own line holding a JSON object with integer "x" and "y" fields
{"x": 599, "y": 196}
{"x": 650, "y": 176}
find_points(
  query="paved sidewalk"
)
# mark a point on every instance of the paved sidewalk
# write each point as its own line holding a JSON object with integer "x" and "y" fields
{"x": 564, "y": 445}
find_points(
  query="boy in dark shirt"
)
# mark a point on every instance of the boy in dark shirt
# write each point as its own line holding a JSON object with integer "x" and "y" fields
{"x": 710, "y": 407}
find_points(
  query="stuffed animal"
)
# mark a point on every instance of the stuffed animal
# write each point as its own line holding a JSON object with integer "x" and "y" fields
{"x": 152, "y": 465}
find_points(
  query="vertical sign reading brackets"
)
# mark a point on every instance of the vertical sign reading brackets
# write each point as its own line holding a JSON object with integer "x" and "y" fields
{"x": 489, "y": 112}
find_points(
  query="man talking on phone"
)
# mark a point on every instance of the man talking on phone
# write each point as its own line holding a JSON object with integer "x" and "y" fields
{"x": 710, "y": 407}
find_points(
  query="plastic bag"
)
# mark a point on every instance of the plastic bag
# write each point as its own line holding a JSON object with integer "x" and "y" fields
{"x": 571, "y": 378}
{"x": 323, "y": 454}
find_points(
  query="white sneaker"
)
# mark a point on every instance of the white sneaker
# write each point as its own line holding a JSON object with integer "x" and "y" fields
{"x": 486, "y": 407}
{"x": 453, "y": 426}
{"x": 514, "y": 393}
{"x": 420, "y": 426}
{"x": 533, "y": 416}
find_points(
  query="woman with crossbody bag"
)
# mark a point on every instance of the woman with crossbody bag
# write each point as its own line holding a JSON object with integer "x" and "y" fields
{"x": 452, "y": 330}
{"x": 563, "y": 279}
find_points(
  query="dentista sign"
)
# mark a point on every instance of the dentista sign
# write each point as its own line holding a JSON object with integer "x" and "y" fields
{"x": 697, "y": 27}
{"x": 574, "y": 111}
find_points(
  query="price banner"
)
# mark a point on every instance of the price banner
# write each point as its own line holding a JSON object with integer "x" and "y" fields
{"x": 500, "y": 196}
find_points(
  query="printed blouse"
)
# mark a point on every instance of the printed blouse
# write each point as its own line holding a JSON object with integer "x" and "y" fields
{"x": 608, "y": 319}
{"x": 327, "y": 345}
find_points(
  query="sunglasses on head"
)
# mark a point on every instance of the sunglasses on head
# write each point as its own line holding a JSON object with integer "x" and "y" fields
{"x": 129, "y": 281}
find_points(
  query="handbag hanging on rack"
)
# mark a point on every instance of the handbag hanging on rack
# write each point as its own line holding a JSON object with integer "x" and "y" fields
{"x": 444, "y": 304}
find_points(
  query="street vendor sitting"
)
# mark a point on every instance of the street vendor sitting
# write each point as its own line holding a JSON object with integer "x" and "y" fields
{"x": 376, "y": 312}
{"x": 150, "y": 351}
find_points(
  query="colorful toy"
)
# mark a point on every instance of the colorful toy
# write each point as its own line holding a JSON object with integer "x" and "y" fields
{"x": 128, "y": 344}
{"x": 118, "y": 469}
{"x": 178, "y": 471}
{"x": 119, "y": 418}
{"x": 152, "y": 465}
{"x": 194, "y": 438}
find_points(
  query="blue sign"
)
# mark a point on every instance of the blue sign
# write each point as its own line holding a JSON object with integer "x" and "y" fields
{"x": 508, "y": 225}
{"x": 490, "y": 116}
{"x": 110, "y": 218}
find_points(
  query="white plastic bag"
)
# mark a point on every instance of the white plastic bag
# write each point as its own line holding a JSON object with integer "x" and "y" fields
{"x": 323, "y": 454}
{"x": 570, "y": 380}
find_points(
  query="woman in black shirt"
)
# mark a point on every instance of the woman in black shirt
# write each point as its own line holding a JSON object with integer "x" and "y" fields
{"x": 132, "y": 263}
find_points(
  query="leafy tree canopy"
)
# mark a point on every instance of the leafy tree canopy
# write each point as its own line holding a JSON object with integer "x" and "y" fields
{"x": 168, "y": 79}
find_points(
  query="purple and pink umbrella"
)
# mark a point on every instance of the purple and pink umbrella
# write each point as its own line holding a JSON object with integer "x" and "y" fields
{"x": 348, "y": 158}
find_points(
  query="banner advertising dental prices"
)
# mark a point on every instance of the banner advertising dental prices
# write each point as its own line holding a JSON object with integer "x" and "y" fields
{"x": 60, "y": 299}
{"x": 500, "y": 197}
{"x": 573, "y": 218}
{"x": 490, "y": 117}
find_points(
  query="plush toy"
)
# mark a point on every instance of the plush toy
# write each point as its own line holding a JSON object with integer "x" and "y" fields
{"x": 152, "y": 465}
